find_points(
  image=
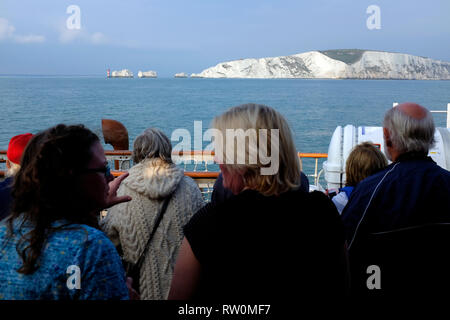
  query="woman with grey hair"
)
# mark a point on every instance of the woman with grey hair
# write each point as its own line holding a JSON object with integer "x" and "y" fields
{"x": 152, "y": 181}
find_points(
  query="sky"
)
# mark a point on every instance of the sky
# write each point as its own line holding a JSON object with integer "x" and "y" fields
{"x": 171, "y": 36}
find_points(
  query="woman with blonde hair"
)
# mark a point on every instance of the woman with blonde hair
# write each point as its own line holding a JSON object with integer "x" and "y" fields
{"x": 268, "y": 239}
{"x": 148, "y": 229}
{"x": 364, "y": 160}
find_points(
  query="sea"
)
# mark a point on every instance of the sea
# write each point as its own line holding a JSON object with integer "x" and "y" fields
{"x": 313, "y": 108}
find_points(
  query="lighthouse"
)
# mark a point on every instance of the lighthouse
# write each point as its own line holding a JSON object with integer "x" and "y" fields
{"x": 108, "y": 74}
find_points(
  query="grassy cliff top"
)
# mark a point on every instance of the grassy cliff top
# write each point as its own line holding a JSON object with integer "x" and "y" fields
{"x": 348, "y": 56}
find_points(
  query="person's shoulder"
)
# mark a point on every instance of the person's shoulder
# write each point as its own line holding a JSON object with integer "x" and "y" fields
{"x": 341, "y": 198}
{"x": 376, "y": 177}
{"x": 425, "y": 171}
{"x": 82, "y": 233}
{"x": 212, "y": 212}
{"x": 371, "y": 181}
{"x": 3, "y": 229}
{"x": 319, "y": 213}
{"x": 436, "y": 177}
{"x": 188, "y": 183}
{"x": 6, "y": 184}
{"x": 96, "y": 236}
{"x": 438, "y": 170}
{"x": 318, "y": 201}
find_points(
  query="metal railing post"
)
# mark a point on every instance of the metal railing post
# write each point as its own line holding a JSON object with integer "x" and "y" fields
{"x": 448, "y": 115}
{"x": 315, "y": 172}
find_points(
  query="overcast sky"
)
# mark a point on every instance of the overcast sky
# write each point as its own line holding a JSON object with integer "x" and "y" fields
{"x": 191, "y": 35}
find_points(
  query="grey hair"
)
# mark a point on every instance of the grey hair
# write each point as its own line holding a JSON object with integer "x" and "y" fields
{"x": 152, "y": 143}
{"x": 408, "y": 133}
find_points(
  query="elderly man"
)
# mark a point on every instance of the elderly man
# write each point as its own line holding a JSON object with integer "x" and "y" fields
{"x": 412, "y": 192}
{"x": 16, "y": 147}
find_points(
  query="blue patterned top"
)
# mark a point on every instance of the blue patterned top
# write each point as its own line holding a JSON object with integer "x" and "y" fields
{"x": 79, "y": 263}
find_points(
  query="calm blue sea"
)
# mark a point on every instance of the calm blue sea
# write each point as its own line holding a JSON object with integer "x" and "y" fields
{"x": 313, "y": 108}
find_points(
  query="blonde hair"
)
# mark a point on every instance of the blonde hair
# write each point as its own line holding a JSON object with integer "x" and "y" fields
{"x": 364, "y": 160}
{"x": 256, "y": 116}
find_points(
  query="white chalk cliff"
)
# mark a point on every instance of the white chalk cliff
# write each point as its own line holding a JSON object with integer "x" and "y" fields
{"x": 181, "y": 75}
{"x": 125, "y": 73}
{"x": 147, "y": 74}
{"x": 333, "y": 64}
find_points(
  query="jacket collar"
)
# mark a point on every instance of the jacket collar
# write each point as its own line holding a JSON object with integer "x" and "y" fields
{"x": 413, "y": 155}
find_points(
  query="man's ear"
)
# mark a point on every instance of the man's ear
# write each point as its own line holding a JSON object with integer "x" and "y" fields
{"x": 387, "y": 137}
{"x": 8, "y": 164}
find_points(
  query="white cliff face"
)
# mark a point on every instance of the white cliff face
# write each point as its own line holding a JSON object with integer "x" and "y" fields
{"x": 322, "y": 66}
{"x": 398, "y": 66}
{"x": 147, "y": 74}
{"x": 125, "y": 73}
{"x": 315, "y": 64}
{"x": 181, "y": 75}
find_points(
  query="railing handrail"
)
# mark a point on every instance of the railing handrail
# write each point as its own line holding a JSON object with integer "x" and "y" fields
{"x": 194, "y": 152}
{"x": 208, "y": 153}
{"x": 196, "y": 174}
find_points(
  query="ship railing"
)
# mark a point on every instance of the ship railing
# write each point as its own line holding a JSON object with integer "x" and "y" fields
{"x": 199, "y": 165}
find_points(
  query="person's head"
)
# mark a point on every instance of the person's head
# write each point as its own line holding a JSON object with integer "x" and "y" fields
{"x": 64, "y": 176}
{"x": 152, "y": 143}
{"x": 364, "y": 160}
{"x": 64, "y": 169}
{"x": 256, "y": 150}
{"x": 16, "y": 147}
{"x": 408, "y": 127}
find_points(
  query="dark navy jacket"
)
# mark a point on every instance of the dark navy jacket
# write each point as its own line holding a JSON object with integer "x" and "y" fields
{"x": 412, "y": 191}
{"x": 5, "y": 197}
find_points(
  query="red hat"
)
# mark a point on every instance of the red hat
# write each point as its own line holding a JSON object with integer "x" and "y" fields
{"x": 16, "y": 146}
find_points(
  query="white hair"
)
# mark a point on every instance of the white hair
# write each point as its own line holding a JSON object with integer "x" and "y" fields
{"x": 410, "y": 134}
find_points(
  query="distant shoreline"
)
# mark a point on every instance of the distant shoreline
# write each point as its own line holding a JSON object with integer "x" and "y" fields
{"x": 196, "y": 78}
{"x": 53, "y": 75}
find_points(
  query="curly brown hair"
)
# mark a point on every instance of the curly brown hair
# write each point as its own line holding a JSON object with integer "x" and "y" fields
{"x": 45, "y": 188}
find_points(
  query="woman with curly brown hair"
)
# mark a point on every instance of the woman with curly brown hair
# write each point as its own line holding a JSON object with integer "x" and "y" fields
{"x": 50, "y": 247}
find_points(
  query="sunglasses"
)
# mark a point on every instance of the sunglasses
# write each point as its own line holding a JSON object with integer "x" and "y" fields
{"x": 106, "y": 170}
